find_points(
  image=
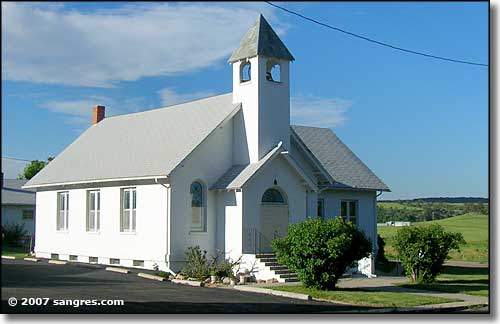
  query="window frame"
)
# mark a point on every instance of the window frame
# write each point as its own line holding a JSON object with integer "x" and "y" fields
{"x": 348, "y": 216}
{"x": 202, "y": 226}
{"x": 321, "y": 201}
{"x": 132, "y": 210}
{"x": 64, "y": 226}
{"x": 23, "y": 216}
{"x": 96, "y": 211}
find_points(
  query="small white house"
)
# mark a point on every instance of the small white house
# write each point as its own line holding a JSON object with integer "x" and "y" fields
{"x": 227, "y": 173}
{"x": 18, "y": 205}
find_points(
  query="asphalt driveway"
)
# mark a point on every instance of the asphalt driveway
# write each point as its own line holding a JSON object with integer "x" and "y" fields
{"x": 24, "y": 279}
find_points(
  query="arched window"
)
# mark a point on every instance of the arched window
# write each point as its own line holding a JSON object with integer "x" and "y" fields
{"x": 273, "y": 196}
{"x": 198, "y": 204}
{"x": 273, "y": 71}
{"x": 245, "y": 71}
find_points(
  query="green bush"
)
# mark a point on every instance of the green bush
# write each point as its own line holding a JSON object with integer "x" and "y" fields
{"x": 381, "y": 250}
{"x": 197, "y": 265}
{"x": 423, "y": 250}
{"x": 320, "y": 251}
{"x": 12, "y": 233}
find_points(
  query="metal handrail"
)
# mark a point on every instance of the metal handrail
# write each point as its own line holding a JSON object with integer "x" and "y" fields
{"x": 256, "y": 240}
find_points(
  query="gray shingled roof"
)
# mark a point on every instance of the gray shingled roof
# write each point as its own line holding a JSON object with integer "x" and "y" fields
{"x": 145, "y": 144}
{"x": 261, "y": 40}
{"x": 12, "y": 194}
{"x": 239, "y": 174}
{"x": 337, "y": 159}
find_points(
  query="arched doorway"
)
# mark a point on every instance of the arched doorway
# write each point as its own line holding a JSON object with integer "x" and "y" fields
{"x": 273, "y": 217}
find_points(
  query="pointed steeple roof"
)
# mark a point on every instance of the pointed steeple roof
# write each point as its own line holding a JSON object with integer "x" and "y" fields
{"x": 261, "y": 40}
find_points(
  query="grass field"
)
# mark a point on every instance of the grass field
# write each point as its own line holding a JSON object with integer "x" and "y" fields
{"x": 366, "y": 297}
{"x": 474, "y": 228}
{"x": 462, "y": 280}
{"x": 396, "y": 205}
{"x": 14, "y": 251}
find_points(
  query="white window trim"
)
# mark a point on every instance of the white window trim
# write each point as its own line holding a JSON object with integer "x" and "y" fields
{"x": 65, "y": 228}
{"x": 97, "y": 212}
{"x": 132, "y": 211}
{"x": 348, "y": 217}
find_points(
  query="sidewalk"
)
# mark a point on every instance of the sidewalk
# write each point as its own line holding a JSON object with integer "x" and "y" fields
{"x": 388, "y": 284}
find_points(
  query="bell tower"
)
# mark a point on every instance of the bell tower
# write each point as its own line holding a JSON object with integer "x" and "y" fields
{"x": 261, "y": 83}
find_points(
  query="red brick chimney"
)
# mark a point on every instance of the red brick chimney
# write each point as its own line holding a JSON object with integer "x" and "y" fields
{"x": 97, "y": 114}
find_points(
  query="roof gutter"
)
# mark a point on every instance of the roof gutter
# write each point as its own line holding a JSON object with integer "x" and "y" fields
{"x": 94, "y": 181}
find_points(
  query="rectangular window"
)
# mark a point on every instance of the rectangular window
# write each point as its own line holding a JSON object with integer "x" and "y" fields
{"x": 129, "y": 202}
{"x": 54, "y": 256}
{"x": 114, "y": 261}
{"x": 321, "y": 208}
{"x": 27, "y": 214}
{"x": 349, "y": 210}
{"x": 62, "y": 210}
{"x": 93, "y": 210}
{"x": 93, "y": 259}
{"x": 138, "y": 263}
{"x": 73, "y": 258}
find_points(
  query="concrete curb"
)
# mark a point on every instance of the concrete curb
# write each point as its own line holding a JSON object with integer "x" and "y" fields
{"x": 8, "y": 257}
{"x": 57, "y": 262}
{"x": 150, "y": 276}
{"x": 273, "y": 292}
{"x": 120, "y": 270}
{"x": 188, "y": 282}
{"x": 31, "y": 259}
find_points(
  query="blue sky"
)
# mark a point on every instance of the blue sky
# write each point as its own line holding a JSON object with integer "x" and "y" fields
{"x": 420, "y": 124}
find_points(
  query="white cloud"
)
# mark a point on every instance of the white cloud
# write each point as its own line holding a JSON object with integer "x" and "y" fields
{"x": 317, "y": 111}
{"x": 170, "y": 97}
{"x": 79, "y": 111}
{"x": 50, "y": 44}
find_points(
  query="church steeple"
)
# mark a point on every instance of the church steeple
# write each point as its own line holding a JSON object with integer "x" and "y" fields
{"x": 261, "y": 40}
{"x": 261, "y": 83}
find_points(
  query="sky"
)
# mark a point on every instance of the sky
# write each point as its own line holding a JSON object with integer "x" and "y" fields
{"x": 420, "y": 124}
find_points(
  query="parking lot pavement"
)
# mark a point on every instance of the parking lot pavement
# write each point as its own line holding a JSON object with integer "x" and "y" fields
{"x": 22, "y": 279}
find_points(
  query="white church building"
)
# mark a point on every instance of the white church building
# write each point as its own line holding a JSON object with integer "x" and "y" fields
{"x": 227, "y": 173}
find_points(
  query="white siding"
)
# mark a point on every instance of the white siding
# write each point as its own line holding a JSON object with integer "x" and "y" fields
{"x": 148, "y": 243}
{"x": 14, "y": 215}
{"x": 367, "y": 219}
{"x": 206, "y": 164}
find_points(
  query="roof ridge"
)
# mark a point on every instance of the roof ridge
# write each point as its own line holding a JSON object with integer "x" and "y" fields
{"x": 165, "y": 107}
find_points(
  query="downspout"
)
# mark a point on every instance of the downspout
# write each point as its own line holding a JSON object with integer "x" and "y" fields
{"x": 168, "y": 224}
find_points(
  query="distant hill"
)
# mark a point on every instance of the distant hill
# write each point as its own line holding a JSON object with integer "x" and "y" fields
{"x": 456, "y": 200}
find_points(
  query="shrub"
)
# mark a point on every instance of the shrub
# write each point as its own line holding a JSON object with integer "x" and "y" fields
{"x": 320, "y": 251}
{"x": 423, "y": 250}
{"x": 12, "y": 233}
{"x": 381, "y": 250}
{"x": 197, "y": 265}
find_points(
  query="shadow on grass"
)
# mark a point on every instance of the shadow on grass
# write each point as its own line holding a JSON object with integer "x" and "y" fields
{"x": 455, "y": 270}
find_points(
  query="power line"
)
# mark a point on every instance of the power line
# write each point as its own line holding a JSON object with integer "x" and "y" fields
{"x": 373, "y": 40}
{"x": 17, "y": 159}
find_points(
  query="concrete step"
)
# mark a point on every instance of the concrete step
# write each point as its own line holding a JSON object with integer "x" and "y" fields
{"x": 288, "y": 275}
{"x": 278, "y": 267}
{"x": 268, "y": 260}
{"x": 295, "y": 279}
{"x": 283, "y": 272}
{"x": 265, "y": 255}
{"x": 272, "y": 264}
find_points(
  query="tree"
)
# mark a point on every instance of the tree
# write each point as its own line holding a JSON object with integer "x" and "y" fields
{"x": 423, "y": 250}
{"x": 33, "y": 168}
{"x": 320, "y": 251}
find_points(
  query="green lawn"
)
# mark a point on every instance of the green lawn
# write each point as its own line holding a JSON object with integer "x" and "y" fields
{"x": 366, "y": 297}
{"x": 474, "y": 228}
{"x": 14, "y": 251}
{"x": 462, "y": 280}
{"x": 396, "y": 205}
